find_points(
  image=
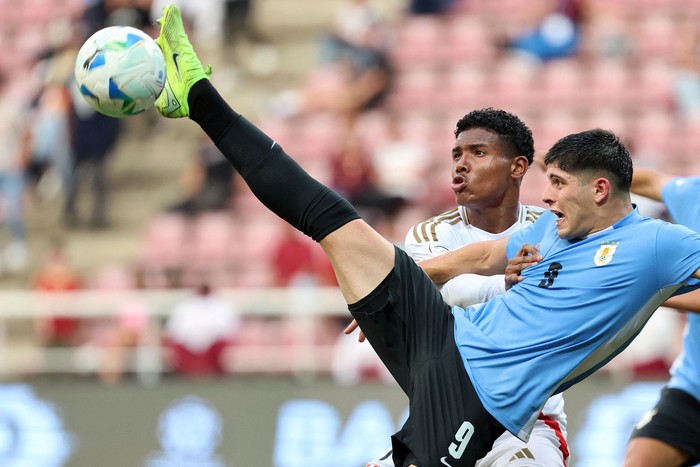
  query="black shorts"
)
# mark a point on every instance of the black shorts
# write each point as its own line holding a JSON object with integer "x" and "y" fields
{"x": 411, "y": 328}
{"x": 676, "y": 421}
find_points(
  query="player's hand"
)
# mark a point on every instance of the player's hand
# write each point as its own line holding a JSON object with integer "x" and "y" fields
{"x": 351, "y": 327}
{"x": 527, "y": 256}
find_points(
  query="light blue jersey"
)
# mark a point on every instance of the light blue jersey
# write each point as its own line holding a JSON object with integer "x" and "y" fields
{"x": 573, "y": 312}
{"x": 680, "y": 196}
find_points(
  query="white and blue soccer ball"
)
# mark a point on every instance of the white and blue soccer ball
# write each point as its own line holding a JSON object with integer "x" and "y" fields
{"x": 120, "y": 71}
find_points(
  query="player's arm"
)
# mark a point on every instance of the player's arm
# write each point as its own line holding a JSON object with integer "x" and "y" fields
{"x": 484, "y": 258}
{"x": 687, "y": 302}
{"x": 648, "y": 183}
{"x": 463, "y": 290}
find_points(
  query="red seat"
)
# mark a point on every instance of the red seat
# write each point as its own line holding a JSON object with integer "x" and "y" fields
{"x": 608, "y": 85}
{"x": 415, "y": 90}
{"x": 164, "y": 248}
{"x": 418, "y": 42}
{"x": 468, "y": 39}
{"x": 512, "y": 85}
{"x": 559, "y": 84}
{"x": 654, "y": 86}
{"x": 207, "y": 250}
{"x": 655, "y": 36}
{"x": 464, "y": 88}
{"x": 653, "y": 132}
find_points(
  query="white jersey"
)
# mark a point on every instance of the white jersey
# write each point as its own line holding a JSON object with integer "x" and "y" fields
{"x": 449, "y": 231}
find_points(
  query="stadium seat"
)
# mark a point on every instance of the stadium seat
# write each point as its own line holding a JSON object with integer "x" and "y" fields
{"x": 249, "y": 252}
{"x": 653, "y": 133}
{"x": 654, "y": 86}
{"x": 468, "y": 39}
{"x": 655, "y": 37}
{"x": 608, "y": 119}
{"x": 552, "y": 126}
{"x": 464, "y": 87}
{"x": 415, "y": 90}
{"x": 559, "y": 84}
{"x": 515, "y": 10}
{"x": 511, "y": 86}
{"x": 418, "y": 127}
{"x": 609, "y": 84}
{"x": 418, "y": 42}
{"x": 318, "y": 135}
{"x": 164, "y": 249}
{"x": 371, "y": 128}
{"x": 211, "y": 235}
{"x": 688, "y": 147}
{"x": 39, "y": 13}
{"x": 113, "y": 277}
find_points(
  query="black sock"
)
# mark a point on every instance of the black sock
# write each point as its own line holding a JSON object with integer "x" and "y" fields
{"x": 275, "y": 178}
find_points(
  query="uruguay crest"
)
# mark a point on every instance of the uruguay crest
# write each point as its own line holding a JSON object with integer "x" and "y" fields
{"x": 605, "y": 254}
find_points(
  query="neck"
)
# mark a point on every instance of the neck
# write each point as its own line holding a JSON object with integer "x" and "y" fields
{"x": 492, "y": 219}
{"x": 612, "y": 214}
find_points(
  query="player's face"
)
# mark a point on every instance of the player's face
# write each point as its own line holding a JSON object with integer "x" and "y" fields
{"x": 481, "y": 168}
{"x": 572, "y": 201}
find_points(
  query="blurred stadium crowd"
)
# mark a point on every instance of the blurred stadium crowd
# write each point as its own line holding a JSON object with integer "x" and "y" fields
{"x": 373, "y": 117}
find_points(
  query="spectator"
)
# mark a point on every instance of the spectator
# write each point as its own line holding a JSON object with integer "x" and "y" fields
{"x": 401, "y": 164}
{"x": 240, "y": 23}
{"x": 293, "y": 259}
{"x": 208, "y": 183}
{"x": 101, "y": 13}
{"x": 354, "y": 175}
{"x": 353, "y": 20}
{"x": 93, "y": 136}
{"x": 129, "y": 329}
{"x": 14, "y": 157}
{"x": 50, "y": 141}
{"x": 352, "y": 170}
{"x": 204, "y": 18}
{"x": 359, "y": 82}
{"x": 199, "y": 331}
{"x": 429, "y": 7}
{"x": 553, "y": 33}
{"x": 57, "y": 275}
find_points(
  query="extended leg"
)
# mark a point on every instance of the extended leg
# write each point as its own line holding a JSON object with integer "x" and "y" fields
{"x": 360, "y": 256}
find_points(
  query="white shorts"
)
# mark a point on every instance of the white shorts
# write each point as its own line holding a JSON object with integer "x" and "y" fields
{"x": 547, "y": 446}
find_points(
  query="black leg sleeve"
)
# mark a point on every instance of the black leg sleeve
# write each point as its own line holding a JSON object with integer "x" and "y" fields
{"x": 275, "y": 178}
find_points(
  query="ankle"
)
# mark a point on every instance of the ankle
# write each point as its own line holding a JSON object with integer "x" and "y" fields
{"x": 209, "y": 109}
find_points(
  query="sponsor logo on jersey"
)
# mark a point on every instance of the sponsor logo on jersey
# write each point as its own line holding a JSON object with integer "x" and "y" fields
{"x": 605, "y": 253}
{"x": 522, "y": 454}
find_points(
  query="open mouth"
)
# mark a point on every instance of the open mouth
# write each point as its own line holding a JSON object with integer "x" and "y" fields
{"x": 458, "y": 183}
{"x": 560, "y": 216}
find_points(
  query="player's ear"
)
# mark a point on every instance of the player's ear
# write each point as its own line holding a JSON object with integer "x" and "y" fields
{"x": 602, "y": 188}
{"x": 519, "y": 166}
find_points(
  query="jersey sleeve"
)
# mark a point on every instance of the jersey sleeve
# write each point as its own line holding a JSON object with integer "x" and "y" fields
{"x": 680, "y": 196}
{"x": 468, "y": 289}
{"x": 678, "y": 254}
{"x": 531, "y": 234}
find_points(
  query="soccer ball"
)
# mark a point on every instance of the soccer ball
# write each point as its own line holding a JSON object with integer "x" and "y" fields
{"x": 120, "y": 71}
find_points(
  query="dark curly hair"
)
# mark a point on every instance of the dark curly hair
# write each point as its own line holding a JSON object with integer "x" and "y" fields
{"x": 508, "y": 126}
